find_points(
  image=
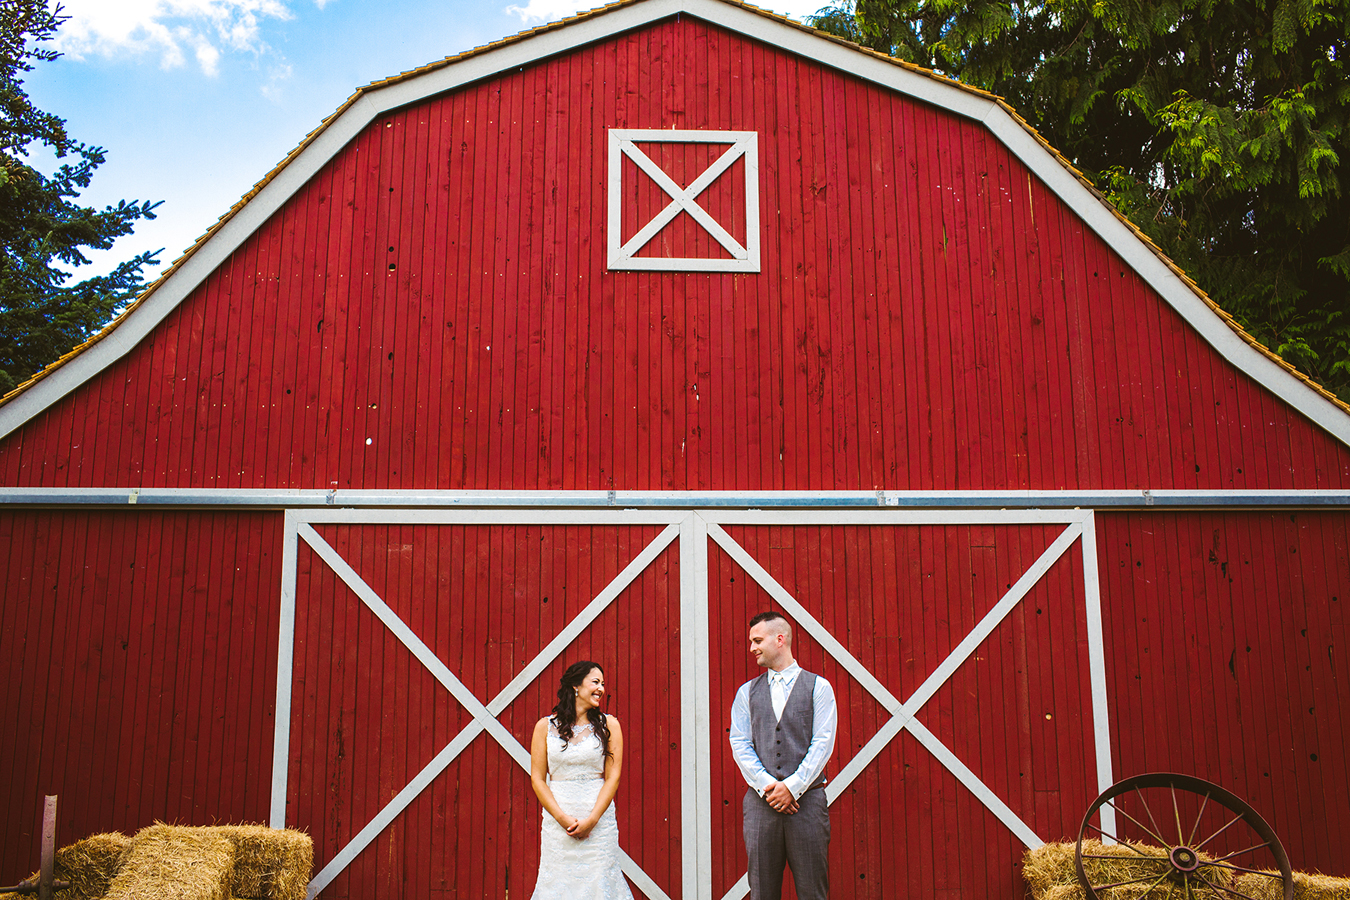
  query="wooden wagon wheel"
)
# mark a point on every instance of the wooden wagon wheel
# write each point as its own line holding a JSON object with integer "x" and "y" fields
{"x": 1159, "y": 805}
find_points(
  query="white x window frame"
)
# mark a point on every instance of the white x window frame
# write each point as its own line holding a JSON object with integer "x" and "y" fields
{"x": 696, "y": 530}
{"x": 622, "y": 254}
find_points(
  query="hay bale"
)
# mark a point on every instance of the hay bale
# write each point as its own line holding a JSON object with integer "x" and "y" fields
{"x": 270, "y": 863}
{"x": 166, "y": 862}
{"x": 89, "y": 865}
{"x": 1049, "y": 868}
{"x": 1051, "y": 875}
{"x": 250, "y": 862}
{"x": 1307, "y": 886}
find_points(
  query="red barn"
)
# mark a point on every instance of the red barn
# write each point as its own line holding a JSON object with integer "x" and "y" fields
{"x": 598, "y": 340}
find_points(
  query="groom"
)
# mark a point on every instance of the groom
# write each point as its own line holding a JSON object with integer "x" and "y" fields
{"x": 782, "y": 734}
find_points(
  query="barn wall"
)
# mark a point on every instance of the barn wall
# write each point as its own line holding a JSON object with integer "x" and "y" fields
{"x": 433, "y": 311}
{"x": 159, "y": 641}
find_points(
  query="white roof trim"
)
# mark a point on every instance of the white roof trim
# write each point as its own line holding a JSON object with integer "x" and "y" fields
{"x": 376, "y": 101}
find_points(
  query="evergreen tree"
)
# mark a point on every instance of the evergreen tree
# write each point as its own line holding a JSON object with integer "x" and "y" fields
{"x": 41, "y": 229}
{"x": 1217, "y": 126}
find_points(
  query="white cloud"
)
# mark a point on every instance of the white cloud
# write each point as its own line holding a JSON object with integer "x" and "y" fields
{"x": 547, "y": 10}
{"x": 276, "y": 77}
{"x": 206, "y": 28}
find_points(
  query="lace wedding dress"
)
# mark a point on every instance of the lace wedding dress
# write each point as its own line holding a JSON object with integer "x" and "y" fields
{"x": 586, "y": 869}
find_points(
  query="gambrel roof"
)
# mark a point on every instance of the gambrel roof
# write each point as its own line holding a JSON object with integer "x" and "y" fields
{"x": 553, "y": 39}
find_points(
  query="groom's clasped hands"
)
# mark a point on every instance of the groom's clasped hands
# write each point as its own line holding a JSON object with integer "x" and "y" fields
{"x": 780, "y": 798}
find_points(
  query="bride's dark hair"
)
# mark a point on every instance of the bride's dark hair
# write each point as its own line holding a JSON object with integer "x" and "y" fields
{"x": 565, "y": 713}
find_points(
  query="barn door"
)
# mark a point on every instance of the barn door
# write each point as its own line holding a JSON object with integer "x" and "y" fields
{"x": 417, "y": 649}
{"x": 965, "y": 650}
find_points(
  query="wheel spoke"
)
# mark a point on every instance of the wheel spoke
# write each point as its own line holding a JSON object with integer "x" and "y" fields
{"x": 1217, "y": 833}
{"x": 1218, "y": 887}
{"x": 1176, "y": 813}
{"x": 1146, "y": 857}
{"x": 1103, "y": 887}
{"x": 1144, "y": 804}
{"x": 1119, "y": 841}
{"x": 1224, "y": 865}
{"x": 1240, "y": 852}
{"x": 1153, "y": 884}
{"x": 1137, "y": 822}
{"x": 1198, "y": 817}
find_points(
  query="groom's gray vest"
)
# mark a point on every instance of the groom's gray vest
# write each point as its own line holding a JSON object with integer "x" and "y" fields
{"x": 781, "y": 745}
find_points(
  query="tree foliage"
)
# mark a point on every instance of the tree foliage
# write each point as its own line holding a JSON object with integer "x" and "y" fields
{"x": 42, "y": 229}
{"x": 1218, "y": 126}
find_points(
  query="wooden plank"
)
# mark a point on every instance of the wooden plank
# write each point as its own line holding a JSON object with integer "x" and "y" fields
{"x": 148, "y": 575}
{"x": 240, "y": 386}
{"x": 80, "y": 620}
{"x": 213, "y": 680}
{"x": 16, "y": 547}
{"x": 380, "y": 459}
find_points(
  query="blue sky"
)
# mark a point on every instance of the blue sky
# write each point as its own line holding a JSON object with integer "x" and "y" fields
{"x": 196, "y": 100}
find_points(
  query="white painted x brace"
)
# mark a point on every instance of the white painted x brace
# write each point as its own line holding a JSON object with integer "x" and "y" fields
{"x": 743, "y": 144}
{"x": 694, "y": 529}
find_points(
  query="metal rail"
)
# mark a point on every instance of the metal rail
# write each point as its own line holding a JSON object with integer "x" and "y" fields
{"x": 375, "y": 499}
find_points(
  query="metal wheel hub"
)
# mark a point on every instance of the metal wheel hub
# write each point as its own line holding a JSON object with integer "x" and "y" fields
{"x": 1184, "y": 859}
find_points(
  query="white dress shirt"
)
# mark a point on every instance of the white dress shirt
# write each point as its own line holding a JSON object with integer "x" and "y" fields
{"x": 826, "y": 719}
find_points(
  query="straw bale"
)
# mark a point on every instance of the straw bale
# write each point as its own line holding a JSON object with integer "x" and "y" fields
{"x": 167, "y": 862}
{"x": 1050, "y": 873}
{"x": 89, "y": 865}
{"x": 1307, "y": 886}
{"x": 270, "y": 863}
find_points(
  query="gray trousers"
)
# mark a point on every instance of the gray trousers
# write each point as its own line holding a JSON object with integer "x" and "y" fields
{"x": 801, "y": 840}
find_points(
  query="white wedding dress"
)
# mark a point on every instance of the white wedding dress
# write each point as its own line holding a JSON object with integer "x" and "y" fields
{"x": 586, "y": 869}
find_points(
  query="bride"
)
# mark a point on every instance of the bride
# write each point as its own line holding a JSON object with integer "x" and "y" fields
{"x": 575, "y": 772}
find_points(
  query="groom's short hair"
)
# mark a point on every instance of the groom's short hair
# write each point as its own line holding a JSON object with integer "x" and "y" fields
{"x": 774, "y": 617}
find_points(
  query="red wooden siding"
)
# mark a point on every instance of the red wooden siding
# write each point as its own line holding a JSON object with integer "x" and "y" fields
{"x": 1226, "y": 637}
{"x": 368, "y": 716}
{"x": 929, "y": 316}
{"x": 137, "y": 654}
